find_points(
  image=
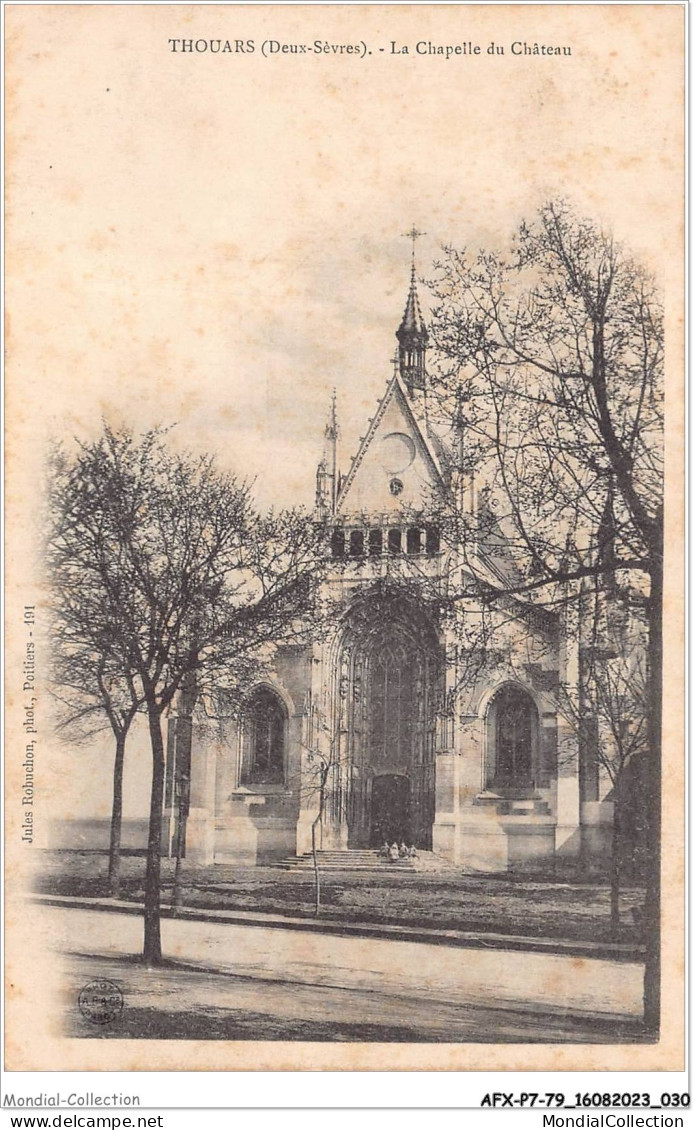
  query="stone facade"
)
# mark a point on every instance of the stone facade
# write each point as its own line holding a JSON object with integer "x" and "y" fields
{"x": 423, "y": 744}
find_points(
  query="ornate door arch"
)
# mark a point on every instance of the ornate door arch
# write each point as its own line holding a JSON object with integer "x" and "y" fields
{"x": 391, "y": 684}
{"x": 390, "y": 669}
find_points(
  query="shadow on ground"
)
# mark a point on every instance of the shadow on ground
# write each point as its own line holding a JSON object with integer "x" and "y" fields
{"x": 177, "y": 1001}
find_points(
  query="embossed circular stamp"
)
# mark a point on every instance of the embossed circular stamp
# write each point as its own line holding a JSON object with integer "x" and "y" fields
{"x": 101, "y": 1002}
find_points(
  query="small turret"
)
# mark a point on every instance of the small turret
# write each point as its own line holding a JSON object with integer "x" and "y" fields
{"x": 412, "y": 334}
{"x": 323, "y": 489}
{"x": 327, "y": 478}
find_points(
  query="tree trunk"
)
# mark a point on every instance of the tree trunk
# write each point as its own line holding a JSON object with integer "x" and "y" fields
{"x": 653, "y": 802}
{"x": 313, "y": 833}
{"x": 116, "y": 818}
{"x": 316, "y": 866}
{"x": 152, "y": 887}
{"x": 183, "y": 805}
{"x": 615, "y": 892}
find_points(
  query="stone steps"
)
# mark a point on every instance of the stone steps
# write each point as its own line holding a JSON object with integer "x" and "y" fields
{"x": 361, "y": 860}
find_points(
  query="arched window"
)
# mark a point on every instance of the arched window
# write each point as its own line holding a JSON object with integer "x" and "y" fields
{"x": 392, "y": 702}
{"x": 512, "y": 734}
{"x": 375, "y": 543}
{"x": 394, "y": 541}
{"x": 338, "y": 542}
{"x": 356, "y": 543}
{"x": 263, "y": 755}
{"x": 432, "y": 539}
{"x": 414, "y": 540}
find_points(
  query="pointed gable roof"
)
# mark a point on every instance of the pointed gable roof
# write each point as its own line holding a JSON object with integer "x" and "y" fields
{"x": 395, "y": 400}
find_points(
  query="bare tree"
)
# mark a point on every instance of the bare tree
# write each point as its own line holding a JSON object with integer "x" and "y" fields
{"x": 92, "y": 689}
{"x": 552, "y": 372}
{"x": 607, "y": 708}
{"x": 92, "y": 698}
{"x": 184, "y": 579}
{"x": 323, "y": 766}
{"x": 618, "y": 692}
{"x": 322, "y": 762}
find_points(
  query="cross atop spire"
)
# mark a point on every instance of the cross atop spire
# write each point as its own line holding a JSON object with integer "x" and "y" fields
{"x": 413, "y": 234}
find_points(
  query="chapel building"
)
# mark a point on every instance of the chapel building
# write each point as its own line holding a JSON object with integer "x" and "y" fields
{"x": 426, "y": 745}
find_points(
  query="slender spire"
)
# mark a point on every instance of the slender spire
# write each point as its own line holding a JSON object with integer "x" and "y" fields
{"x": 412, "y": 334}
{"x": 332, "y": 435}
{"x": 332, "y": 428}
{"x": 413, "y": 318}
{"x": 326, "y": 483}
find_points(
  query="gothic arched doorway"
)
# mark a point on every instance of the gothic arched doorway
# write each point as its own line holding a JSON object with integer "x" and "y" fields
{"x": 389, "y": 688}
{"x": 390, "y": 802}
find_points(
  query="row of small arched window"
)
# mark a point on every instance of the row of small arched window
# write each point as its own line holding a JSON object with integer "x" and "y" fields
{"x": 375, "y": 542}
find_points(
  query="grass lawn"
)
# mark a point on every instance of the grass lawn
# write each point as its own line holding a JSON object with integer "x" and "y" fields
{"x": 451, "y": 899}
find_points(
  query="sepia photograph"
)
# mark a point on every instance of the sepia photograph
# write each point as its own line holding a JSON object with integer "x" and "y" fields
{"x": 344, "y": 590}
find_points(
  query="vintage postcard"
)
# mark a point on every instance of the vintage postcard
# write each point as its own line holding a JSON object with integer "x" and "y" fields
{"x": 344, "y": 518}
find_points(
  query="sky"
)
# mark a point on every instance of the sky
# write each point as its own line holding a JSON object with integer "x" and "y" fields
{"x": 216, "y": 241}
